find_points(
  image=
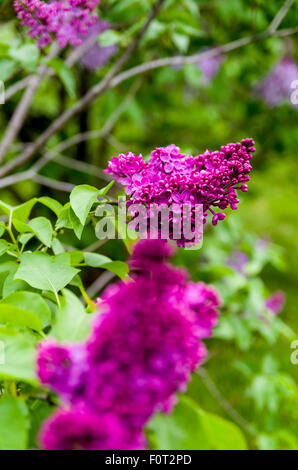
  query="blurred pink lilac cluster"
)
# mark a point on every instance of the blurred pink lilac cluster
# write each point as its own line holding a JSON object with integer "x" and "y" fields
{"x": 209, "y": 67}
{"x": 97, "y": 56}
{"x": 145, "y": 343}
{"x": 276, "y": 88}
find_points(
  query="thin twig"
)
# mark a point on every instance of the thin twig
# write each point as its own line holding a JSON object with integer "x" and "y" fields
{"x": 54, "y": 154}
{"x": 119, "y": 146}
{"x": 49, "y": 182}
{"x": 100, "y": 283}
{"x": 29, "y": 153}
{"x": 88, "y": 98}
{"x": 108, "y": 126}
{"x": 96, "y": 245}
{"x": 22, "y": 109}
{"x": 18, "y": 86}
{"x": 82, "y": 167}
{"x": 225, "y": 405}
{"x": 16, "y": 178}
{"x": 78, "y": 52}
{"x": 192, "y": 59}
{"x": 280, "y": 16}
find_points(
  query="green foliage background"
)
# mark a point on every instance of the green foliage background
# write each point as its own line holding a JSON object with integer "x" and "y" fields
{"x": 248, "y": 378}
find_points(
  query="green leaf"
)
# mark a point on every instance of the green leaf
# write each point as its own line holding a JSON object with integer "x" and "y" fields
{"x": 103, "y": 191}
{"x": 27, "y": 55}
{"x": 52, "y": 204}
{"x": 182, "y": 429}
{"x": 76, "y": 257}
{"x": 23, "y": 211}
{"x": 57, "y": 246}
{"x": 188, "y": 30}
{"x": 10, "y": 285}
{"x": 19, "y": 214}
{"x": 82, "y": 198}
{"x": 126, "y": 8}
{"x": 12, "y": 315}
{"x": 2, "y": 228}
{"x": 4, "y": 48}
{"x": 65, "y": 74}
{"x": 181, "y": 41}
{"x": 76, "y": 282}
{"x": 76, "y": 224}
{"x": 4, "y": 246}
{"x": 154, "y": 31}
{"x": 71, "y": 321}
{"x": 43, "y": 230}
{"x": 64, "y": 218}
{"x": 21, "y": 227}
{"x": 19, "y": 357}
{"x": 31, "y": 302}
{"x": 25, "y": 238}
{"x": 193, "y": 7}
{"x": 242, "y": 334}
{"x": 5, "y": 208}
{"x": 95, "y": 260}
{"x": 120, "y": 268}
{"x": 5, "y": 270}
{"x": 223, "y": 434}
{"x": 192, "y": 74}
{"x": 7, "y": 69}
{"x": 46, "y": 272}
{"x": 38, "y": 414}
{"x": 191, "y": 428}
{"x": 109, "y": 37}
{"x": 14, "y": 424}
{"x": 255, "y": 300}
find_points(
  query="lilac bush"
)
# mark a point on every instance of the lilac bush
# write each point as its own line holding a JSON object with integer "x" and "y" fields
{"x": 78, "y": 372}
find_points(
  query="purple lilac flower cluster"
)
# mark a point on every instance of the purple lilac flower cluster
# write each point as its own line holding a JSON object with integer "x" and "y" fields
{"x": 63, "y": 20}
{"x": 145, "y": 343}
{"x": 169, "y": 177}
{"x": 97, "y": 55}
{"x": 276, "y": 87}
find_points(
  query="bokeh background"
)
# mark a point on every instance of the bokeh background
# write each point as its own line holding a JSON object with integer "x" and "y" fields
{"x": 248, "y": 377}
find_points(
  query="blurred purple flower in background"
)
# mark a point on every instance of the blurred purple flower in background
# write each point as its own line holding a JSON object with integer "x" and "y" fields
{"x": 276, "y": 302}
{"x": 63, "y": 367}
{"x": 237, "y": 261}
{"x": 97, "y": 56}
{"x": 262, "y": 244}
{"x": 275, "y": 88}
{"x": 209, "y": 67}
{"x": 80, "y": 429}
